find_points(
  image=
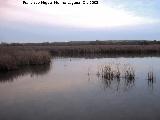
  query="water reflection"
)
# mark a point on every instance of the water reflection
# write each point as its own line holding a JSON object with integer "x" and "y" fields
{"x": 117, "y": 84}
{"x": 109, "y": 55}
{"x": 122, "y": 77}
{"x": 32, "y": 70}
{"x": 74, "y": 89}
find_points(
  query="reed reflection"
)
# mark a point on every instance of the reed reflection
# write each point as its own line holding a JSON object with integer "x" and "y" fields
{"x": 122, "y": 77}
{"x": 32, "y": 70}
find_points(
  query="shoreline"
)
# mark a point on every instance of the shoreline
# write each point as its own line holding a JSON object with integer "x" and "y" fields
{"x": 14, "y": 56}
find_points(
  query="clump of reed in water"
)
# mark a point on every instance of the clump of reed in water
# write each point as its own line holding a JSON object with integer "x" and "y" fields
{"x": 111, "y": 72}
{"x": 116, "y": 75}
{"x": 12, "y": 59}
{"x": 130, "y": 73}
{"x": 150, "y": 76}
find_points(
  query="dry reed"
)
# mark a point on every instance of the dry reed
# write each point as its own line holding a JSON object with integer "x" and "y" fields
{"x": 14, "y": 58}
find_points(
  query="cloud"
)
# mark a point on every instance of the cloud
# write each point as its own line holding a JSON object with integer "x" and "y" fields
{"x": 3, "y": 2}
{"x": 109, "y": 13}
{"x": 140, "y": 7}
{"x": 36, "y": 33}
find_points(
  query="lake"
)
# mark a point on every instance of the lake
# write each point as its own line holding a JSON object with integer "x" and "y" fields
{"x": 74, "y": 89}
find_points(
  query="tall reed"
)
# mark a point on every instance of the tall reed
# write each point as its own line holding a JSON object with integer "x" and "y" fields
{"x": 116, "y": 73}
{"x": 12, "y": 59}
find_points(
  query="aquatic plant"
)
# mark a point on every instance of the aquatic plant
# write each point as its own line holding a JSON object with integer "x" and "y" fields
{"x": 151, "y": 79}
{"x": 12, "y": 58}
{"x": 150, "y": 76}
{"x": 130, "y": 74}
{"x": 111, "y": 72}
{"x": 90, "y": 48}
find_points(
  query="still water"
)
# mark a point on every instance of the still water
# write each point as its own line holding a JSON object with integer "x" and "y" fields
{"x": 71, "y": 89}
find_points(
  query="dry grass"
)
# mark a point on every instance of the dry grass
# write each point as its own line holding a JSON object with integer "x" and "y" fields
{"x": 103, "y": 49}
{"x": 14, "y": 58}
{"x": 116, "y": 75}
{"x": 79, "y": 50}
{"x": 111, "y": 72}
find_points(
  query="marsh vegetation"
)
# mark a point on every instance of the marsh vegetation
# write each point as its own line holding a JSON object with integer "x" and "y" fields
{"x": 11, "y": 59}
{"x": 15, "y": 54}
{"x": 116, "y": 72}
{"x": 87, "y": 48}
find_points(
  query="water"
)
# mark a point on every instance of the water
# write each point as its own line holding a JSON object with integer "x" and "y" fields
{"x": 70, "y": 89}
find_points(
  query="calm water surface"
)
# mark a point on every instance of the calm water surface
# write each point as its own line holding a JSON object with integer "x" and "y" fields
{"x": 70, "y": 89}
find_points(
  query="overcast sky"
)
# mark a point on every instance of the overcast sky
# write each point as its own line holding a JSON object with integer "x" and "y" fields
{"x": 108, "y": 20}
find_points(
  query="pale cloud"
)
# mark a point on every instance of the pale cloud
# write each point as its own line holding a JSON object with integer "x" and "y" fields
{"x": 103, "y": 15}
{"x": 147, "y": 8}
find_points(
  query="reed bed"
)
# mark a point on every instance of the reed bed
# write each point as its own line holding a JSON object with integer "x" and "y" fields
{"x": 82, "y": 50}
{"x": 11, "y": 59}
{"x": 104, "y": 49}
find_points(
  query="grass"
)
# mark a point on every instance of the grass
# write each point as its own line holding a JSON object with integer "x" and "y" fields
{"x": 80, "y": 50}
{"x": 85, "y": 48}
{"x": 108, "y": 73}
{"x": 122, "y": 75}
{"x": 11, "y": 59}
{"x": 111, "y": 72}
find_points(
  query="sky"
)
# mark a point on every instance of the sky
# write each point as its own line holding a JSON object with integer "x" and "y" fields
{"x": 107, "y": 20}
